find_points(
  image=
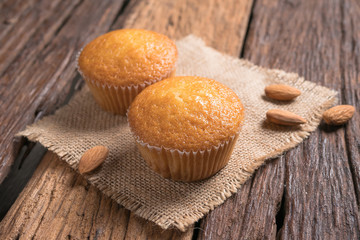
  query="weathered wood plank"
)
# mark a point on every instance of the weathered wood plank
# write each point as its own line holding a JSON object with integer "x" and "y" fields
{"x": 251, "y": 212}
{"x": 309, "y": 37}
{"x": 221, "y": 24}
{"x": 40, "y": 77}
{"x": 350, "y": 89}
{"x": 327, "y": 209}
{"x": 13, "y": 15}
{"x": 10, "y": 11}
{"x": 71, "y": 214}
{"x": 20, "y": 174}
{"x": 51, "y": 182}
{"x": 320, "y": 200}
{"x": 22, "y": 28}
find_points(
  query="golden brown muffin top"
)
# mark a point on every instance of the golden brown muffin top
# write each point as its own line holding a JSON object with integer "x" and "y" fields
{"x": 128, "y": 56}
{"x": 186, "y": 113}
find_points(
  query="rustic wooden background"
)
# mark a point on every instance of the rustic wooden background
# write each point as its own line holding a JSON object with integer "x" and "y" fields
{"x": 311, "y": 192}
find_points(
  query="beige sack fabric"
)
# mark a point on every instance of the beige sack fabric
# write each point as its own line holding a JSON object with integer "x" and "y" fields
{"x": 127, "y": 179}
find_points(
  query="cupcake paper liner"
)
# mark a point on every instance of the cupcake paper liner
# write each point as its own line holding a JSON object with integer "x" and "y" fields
{"x": 114, "y": 98}
{"x": 187, "y": 166}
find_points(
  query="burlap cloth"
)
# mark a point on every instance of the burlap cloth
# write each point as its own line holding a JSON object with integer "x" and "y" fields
{"x": 127, "y": 179}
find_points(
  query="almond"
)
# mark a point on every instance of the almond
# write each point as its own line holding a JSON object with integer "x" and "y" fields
{"x": 92, "y": 159}
{"x": 283, "y": 117}
{"x": 281, "y": 92}
{"x": 338, "y": 115}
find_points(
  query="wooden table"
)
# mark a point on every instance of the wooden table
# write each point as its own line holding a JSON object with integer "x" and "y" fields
{"x": 311, "y": 192}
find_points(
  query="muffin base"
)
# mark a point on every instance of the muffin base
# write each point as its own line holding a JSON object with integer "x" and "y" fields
{"x": 117, "y": 99}
{"x": 187, "y": 166}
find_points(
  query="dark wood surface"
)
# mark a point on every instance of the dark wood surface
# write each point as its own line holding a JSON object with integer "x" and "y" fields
{"x": 311, "y": 192}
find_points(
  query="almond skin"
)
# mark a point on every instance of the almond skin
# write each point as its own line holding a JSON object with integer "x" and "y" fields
{"x": 281, "y": 92}
{"x": 283, "y": 117}
{"x": 338, "y": 115}
{"x": 92, "y": 159}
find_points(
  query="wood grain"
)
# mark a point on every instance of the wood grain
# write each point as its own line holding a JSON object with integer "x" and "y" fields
{"x": 251, "y": 212}
{"x": 10, "y": 11}
{"x": 317, "y": 40}
{"x": 57, "y": 198}
{"x": 318, "y": 178}
{"x": 211, "y": 21}
{"x": 21, "y": 28}
{"x": 350, "y": 85}
{"x": 20, "y": 174}
{"x": 39, "y": 78}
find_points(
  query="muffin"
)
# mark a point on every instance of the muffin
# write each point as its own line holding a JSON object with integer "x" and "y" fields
{"x": 186, "y": 127}
{"x": 120, "y": 64}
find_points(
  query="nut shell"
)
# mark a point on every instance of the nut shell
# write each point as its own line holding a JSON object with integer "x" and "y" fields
{"x": 282, "y": 92}
{"x": 283, "y": 117}
{"x": 92, "y": 159}
{"x": 338, "y": 115}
